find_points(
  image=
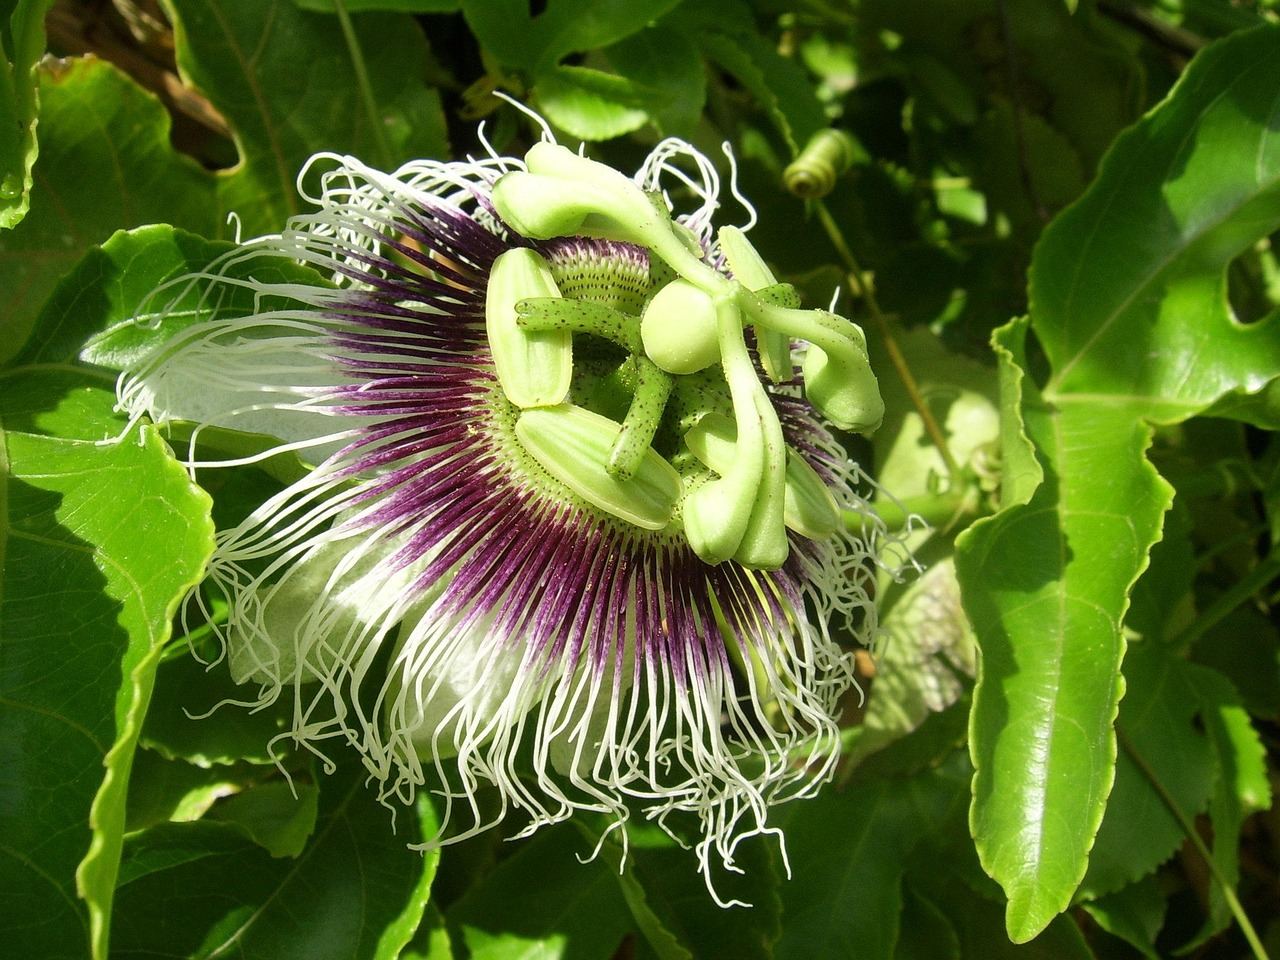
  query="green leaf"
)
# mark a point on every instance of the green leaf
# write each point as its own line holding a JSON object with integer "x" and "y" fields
{"x": 677, "y": 893}
{"x": 99, "y": 542}
{"x": 1242, "y": 785}
{"x": 590, "y": 104}
{"x": 1135, "y": 914}
{"x": 517, "y": 38}
{"x": 1128, "y": 301}
{"x": 848, "y": 853}
{"x": 277, "y": 816}
{"x": 195, "y": 717}
{"x": 925, "y": 932}
{"x": 203, "y": 889}
{"x": 725, "y": 32}
{"x": 93, "y": 117}
{"x": 1139, "y": 308}
{"x": 1158, "y": 718}
{"x": 664, "y": 59}
{"x": 284, "y": 80}
{"x": 544, "y": 902}
{"x": 22, "y": 40}
{"x": 402, "y": 6}
{"x": 1048, "y": 618}
{"x": 979, "y": 930}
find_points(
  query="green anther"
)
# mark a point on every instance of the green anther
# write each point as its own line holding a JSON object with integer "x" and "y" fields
{"x": 837, "y": 374}
{"x": 653, "y": 387}
{"x": 810, "y": 509}
{"x": 764, "y": 543}
{"x": 718, "y": 513}
{"x": 534, "y": 369}
{"x": 749, "y": 269}
{"x": 713, "y": 440}
{"x": 544, "y": 314}
{"x": 574, "y": 445}
{"x": 679, "y": 329}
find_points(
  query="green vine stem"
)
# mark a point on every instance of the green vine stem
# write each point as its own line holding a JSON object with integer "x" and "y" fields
{"x": 863, "y": 291}
{"x": 945, "y": 510}
{"x": 1193, "y": 835}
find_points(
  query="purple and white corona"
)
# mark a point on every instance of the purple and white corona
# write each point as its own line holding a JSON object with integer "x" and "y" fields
{"x": 572, "y": 523}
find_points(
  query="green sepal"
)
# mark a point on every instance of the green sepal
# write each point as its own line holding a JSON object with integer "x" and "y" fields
{"x": 574, "y": 446}
{"x": 535, "y": 369}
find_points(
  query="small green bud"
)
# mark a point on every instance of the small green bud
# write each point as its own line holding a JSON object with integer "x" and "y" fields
{"x": 535, "y": 369}
{"x": 679, "y": 329}
{"x": 574, "y": 445}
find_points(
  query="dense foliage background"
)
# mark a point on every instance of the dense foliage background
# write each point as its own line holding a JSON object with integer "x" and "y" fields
{"x": 1057, "y": 225}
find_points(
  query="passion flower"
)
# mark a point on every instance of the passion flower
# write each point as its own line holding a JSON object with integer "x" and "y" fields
{"x": 572, "y": 523}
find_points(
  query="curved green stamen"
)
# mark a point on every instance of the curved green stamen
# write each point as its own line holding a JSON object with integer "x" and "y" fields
{"x": 838, "y": 376}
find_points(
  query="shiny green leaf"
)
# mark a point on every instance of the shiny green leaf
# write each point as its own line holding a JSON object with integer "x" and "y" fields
{"x": 92, "y": 579}
{"x": 1127, "y": 301}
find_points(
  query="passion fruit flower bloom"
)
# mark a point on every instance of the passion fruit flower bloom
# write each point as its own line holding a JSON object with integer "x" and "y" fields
{"x": 572, "y": 523}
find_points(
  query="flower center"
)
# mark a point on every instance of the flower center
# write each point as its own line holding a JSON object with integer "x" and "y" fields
{"x": 624, "y": 357}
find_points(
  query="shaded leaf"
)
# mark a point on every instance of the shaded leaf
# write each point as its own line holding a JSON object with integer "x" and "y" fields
{"x": 725, "y": 32}
{"x": 926, "y": 660}
{"x": 93, "y": 117}
{"x": 1135, "y": 914}
{"x": 1158, "y": 718}
{"x": 203, "y": 889}
{"x": 508, "y": 30}
{"x": 544, "y": 902}
{"x": 848, "y": 853}
{"x": 1242, "y": 785}
{"x": 664, "y": 59}
{"x": 284, "y": 80}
